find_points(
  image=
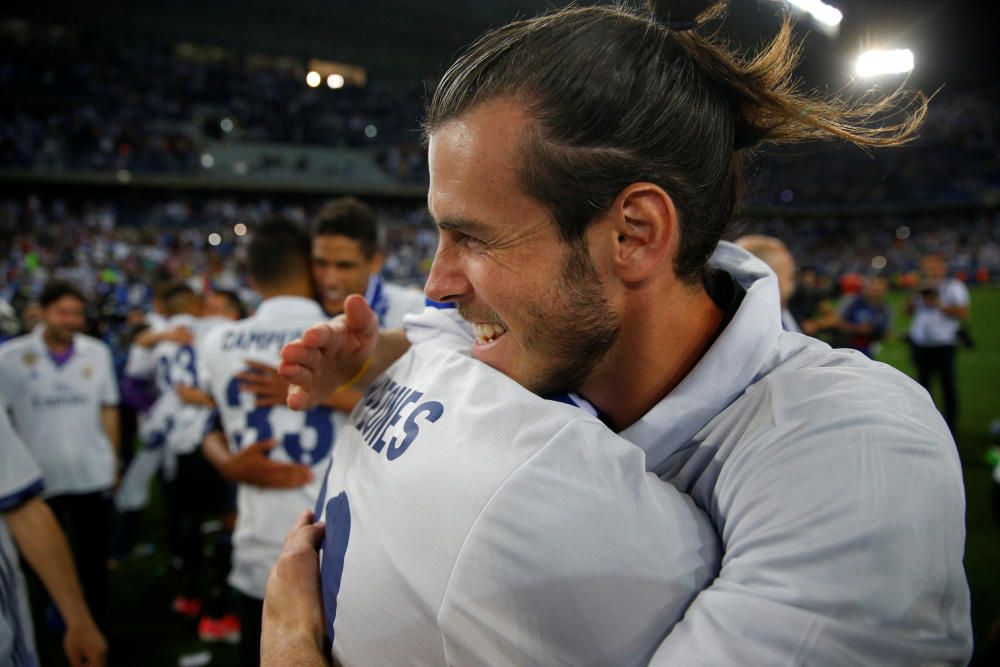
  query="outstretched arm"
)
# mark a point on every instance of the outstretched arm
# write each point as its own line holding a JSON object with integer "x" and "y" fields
{"x": 347, "y": 351}
{"x": 42, "y": 543}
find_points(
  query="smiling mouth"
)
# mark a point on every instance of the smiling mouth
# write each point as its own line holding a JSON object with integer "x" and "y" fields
{"x": 488, "y": 332}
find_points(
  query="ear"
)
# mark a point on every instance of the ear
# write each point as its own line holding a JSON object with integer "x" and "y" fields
{"x": 644, "y": 222}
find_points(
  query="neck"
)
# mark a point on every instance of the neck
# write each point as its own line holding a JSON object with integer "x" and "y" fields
{"x": 661, "y": 342}
{"x": 56, "y": 345}
{"x": 299, "y": 288}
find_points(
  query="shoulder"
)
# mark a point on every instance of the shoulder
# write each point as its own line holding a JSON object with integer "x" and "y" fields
{"x": 409, "y": 298}
{"x": 836, "y": 416}
{"x": 14, "y": 346}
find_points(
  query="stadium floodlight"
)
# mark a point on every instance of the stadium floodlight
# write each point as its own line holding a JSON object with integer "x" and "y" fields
{"x": 335, "y": 81}
{"x": 214, "y": 239}
{"x": 825, "y": 14}
{"x": 313, "y": 79}
{"x": 826, "y": 17}
{"x": 876, "y": 63}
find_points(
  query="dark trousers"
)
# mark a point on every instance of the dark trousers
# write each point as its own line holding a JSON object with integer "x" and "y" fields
{"x": 940, "y": 361}
{"x": 199, "y": 494}
{"x": 86, "y": 520}
{"x": 251, "y": 611}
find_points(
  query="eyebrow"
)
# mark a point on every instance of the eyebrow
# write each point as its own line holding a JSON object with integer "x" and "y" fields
{"x": 463, "y": 225}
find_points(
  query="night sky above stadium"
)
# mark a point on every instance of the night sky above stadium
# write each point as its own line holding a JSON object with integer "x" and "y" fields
{"x": 954, "y": 42}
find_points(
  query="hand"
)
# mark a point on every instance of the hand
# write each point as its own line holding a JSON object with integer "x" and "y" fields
{"x": 293, "y": 608}
{"x": 251, "y": 465}
{"x": 85, "y": 645}
{"x": 264, "y": 383}
{"x": 329, "y": 355}
{"x": 179, "y": 335}
{"x": 193, "y": 395}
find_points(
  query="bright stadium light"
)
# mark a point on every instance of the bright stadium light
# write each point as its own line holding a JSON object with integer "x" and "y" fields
{"x": 313, "y": 79}
{"x": 214, "y": 239}
{"x": 335, "y": 81}
{"x": 827, "y": 15}
{"x": 875, "y": 63}
{"x": 240, "y": 229}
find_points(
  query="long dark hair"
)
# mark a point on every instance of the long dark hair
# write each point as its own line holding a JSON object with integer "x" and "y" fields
{"x": 621, "y": 95}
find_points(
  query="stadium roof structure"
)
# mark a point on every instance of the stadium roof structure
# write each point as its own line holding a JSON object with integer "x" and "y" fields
{"x": 405, "y": 38}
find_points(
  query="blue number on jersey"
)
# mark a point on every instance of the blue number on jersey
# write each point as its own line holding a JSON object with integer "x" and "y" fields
{"x": 319, "y": 419}
{"x": 338, "y": 532}
{"x": 184, "y": 359}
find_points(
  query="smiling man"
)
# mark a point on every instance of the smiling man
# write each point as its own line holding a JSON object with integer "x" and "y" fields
{"x": 584, "y": 166}
{"x": 346, "y": 260}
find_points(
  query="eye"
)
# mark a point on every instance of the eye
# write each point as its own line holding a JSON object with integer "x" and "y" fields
{"x": 471, "y": 242}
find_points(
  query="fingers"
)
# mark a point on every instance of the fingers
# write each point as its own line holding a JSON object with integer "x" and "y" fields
{"x": 260, "y": 366}
{"x": 361, "y": 319}
{"x": 297, "y": 375}
{"x": 305, "y": 534}
{"x": 322, "y": 335}
{"x": 288, "y": 476}
{"x": 264, "y": 446}
{"x": 298, "y": 398}
{"x": 299, "y": 354}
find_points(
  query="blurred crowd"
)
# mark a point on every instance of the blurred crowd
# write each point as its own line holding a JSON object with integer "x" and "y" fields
{"x": 89, "y": 102}
{"x": 86, "y": 102}
{"x": 116, "y": 252}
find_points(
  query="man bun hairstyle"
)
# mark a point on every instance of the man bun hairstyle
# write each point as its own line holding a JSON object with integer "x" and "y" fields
{"x": 621, "y": 95}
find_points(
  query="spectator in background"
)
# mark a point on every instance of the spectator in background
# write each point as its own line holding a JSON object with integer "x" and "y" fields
{"x": 866, "y": 318}
{"x": 64, "y": 405}
{"x": 347, "y": 260}
{"x": 776, "y": 255}
{"x": 939, "y": 306}
{"x": 27, "y": 523}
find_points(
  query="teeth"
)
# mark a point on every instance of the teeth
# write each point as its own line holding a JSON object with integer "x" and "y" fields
{"x": 488, "y": 331}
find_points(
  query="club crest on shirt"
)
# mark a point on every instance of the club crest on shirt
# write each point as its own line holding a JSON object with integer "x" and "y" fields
{"x": 29, "y": 359}
{"x": 87, "y": 372}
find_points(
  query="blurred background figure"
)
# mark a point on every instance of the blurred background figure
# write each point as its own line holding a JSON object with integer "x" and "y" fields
{"x": 865, "y": 318}
{"x": 939, "y": 306}
{"x": 775, "y": 254}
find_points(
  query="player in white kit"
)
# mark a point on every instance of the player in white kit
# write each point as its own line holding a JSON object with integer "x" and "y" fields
{"x": 28, "y": 525}
{"x": 266, "y": 437}
{"x": 63, "y": 400}
{"x": 456, "y": 498}
{"x": 347, "y": 260}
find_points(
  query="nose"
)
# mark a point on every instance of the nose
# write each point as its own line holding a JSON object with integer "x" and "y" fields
{"x": 447, "y": 280}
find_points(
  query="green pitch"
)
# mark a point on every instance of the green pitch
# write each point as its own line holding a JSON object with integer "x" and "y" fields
{"x": 979, "y": 404}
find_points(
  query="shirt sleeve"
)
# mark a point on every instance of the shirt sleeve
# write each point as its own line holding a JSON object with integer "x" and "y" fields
{"x": 957, "y": 294}
{"x": 109, "y": 385}
{"x": 20, "y": 476}
{"x": 581, "y": 557}
{"x": 140, "y": 363}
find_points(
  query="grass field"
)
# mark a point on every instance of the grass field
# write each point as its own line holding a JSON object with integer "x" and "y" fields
{"x": 143, "y": 632}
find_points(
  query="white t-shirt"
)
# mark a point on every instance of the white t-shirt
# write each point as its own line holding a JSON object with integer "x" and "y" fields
{"x": 57, "y": 410}
{"x": 182, "y": 424}
{"x": 470, "y": 522}
{"x": 932, "y": 328}
{"x": 833, "y": 483}
{"x": 392, "y": 302}
{"x": 265, "y": 515}
{"x": 20, "y": 481}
